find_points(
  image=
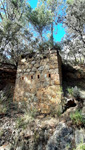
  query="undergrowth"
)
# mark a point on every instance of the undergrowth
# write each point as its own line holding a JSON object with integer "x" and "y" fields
{"x": 77, "y": 118}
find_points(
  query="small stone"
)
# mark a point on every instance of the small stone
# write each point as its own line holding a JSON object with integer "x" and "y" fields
{"x": 33, "y": 62}
{"x": 28, "y": 70}
{"x": 41, "y": 68}
{"x": 6, "y": 146}
{"x": 19, "y": 70}
{"x": 33, "y": 69}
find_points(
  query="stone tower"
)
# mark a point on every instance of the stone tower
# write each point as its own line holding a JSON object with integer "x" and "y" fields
{"x": 39, "y": 79}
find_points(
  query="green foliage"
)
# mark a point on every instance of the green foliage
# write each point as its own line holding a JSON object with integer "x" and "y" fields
{"x": 12, "y": 26}
{"x": 57, "y": 8}
{"x": 74, "y": 92}
{"x": 1, "y": 132}
{"x": 77, "y": 118}
{"x": 70, "y": 91}
{"x": 19, "y": 23}
{"x": 40, "y": 18}
{"x": 80, "y": 146}
{"x": 29, "y": 113}
{"x": 24, "y": 120}
{"x": 14, "y": 2}
{"x": 70, "y": 1}
{"x": 33, "y": 112}
{"x": 26, "y": 108}
{"x": 75, "y": 26}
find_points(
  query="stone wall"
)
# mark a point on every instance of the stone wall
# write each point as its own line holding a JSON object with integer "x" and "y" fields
{"x": 38, "y": 80}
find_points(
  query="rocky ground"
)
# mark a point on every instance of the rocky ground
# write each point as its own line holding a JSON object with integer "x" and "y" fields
{"x": 23, "y": 131}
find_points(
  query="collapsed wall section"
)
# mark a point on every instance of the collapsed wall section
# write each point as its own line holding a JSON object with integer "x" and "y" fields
{"x": 38, "y": 79}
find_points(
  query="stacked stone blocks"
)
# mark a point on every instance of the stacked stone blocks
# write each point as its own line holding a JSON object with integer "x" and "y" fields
{"x": 38, "y": 80}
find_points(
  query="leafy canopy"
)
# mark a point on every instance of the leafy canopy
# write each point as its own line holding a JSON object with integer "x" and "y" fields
{"x": 40, "y": 18}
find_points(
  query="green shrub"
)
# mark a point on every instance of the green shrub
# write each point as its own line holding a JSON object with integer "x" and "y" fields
{"x": 74, "y": 92}
{"x": 70, "y": 91}
{"x": 77, "y": 118}
{"x": 23, "y": 121}
{"x": 33, "y": 112}
{"x": 20, "y": 123}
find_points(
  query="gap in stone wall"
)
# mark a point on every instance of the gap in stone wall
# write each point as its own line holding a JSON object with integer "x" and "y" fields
{"x": 31, "y": 77}
{"x": 22, "y": 78}
{"x": 49, "y": 75}
{"x": 38, "y": 76}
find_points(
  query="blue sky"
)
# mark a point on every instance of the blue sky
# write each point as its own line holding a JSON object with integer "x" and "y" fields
{"x": 60, "y": 32}
{"x": 33, "y": 3}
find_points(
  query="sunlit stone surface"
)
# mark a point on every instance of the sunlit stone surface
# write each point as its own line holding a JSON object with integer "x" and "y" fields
{"x": 39, "y": 79}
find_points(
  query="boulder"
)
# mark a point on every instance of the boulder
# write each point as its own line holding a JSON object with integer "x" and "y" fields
{"x": 62, "y": 139}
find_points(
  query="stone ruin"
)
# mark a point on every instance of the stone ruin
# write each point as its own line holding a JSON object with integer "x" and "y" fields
{"x": 39, "y": 80}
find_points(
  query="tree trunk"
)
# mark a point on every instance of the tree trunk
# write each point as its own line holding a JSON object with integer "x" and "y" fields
{"x": 41, "y": 36}
{"x": 52, "y": 42}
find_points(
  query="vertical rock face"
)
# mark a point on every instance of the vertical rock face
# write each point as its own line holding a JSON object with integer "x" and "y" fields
{"x": 38, "y": 79}
{"x": 7, "y": 74}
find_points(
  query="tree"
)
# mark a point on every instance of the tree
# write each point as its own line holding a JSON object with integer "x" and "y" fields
{"x": 40, "y": 18}
{"x": 75, "y": 19}
{"x": 75, "y": 29}
{"x": 15, "y": 36}
{"x": 47, "y": 15}
{"x": 73, "y": 51}
{"x": 52, "y": 5}
{"x": 15, "y": 19}
{"x": 57, "y": 8}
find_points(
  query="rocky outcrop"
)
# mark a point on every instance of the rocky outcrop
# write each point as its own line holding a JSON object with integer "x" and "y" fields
{"x": 65, "y": 138}
{"x": 7, "y": 74}
{"x": 47, "y": 135}
{"x": 7, "y": 83}
{"x": 62, "y": 139}
{"x": 79, "y": 136}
